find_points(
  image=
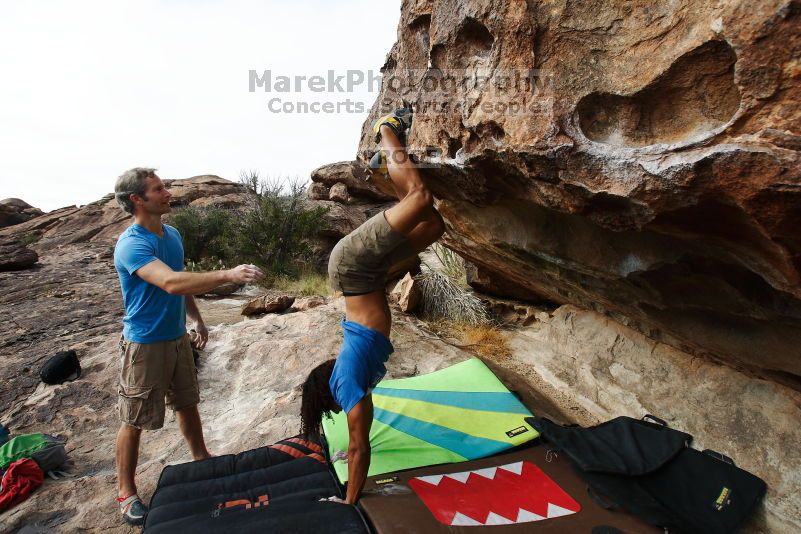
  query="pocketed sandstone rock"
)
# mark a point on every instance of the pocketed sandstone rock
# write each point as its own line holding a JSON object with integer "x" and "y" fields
{"x": 353, "y": 174}
{"x": 268, "y": 304}
{"x": 308, "y": 303}
{"x": 407, "y": 294}
{"x": 317, "y": 191}
{"x": 656, "y": 183}
{"x": 339, "y": 193}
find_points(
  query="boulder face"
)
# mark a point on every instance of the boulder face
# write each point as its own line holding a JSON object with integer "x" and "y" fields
{"x": 206, "y": 190}
{"x": 349, "y": 198}
{"x": 635, "y": 159}
{"x": 14, "y": 255}
{"x": 353, "y": 175}
{"x": 268, "y": 304}
{"x": 14, "y": 211}
{"x": 339, "y": 193}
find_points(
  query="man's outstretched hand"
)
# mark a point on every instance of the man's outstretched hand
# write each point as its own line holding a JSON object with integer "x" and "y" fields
{"x": 245, "y": 274}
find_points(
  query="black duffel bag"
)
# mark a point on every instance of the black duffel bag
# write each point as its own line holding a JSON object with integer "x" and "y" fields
{"x": 62, "y": 367}
{"x": 650, "y": 471}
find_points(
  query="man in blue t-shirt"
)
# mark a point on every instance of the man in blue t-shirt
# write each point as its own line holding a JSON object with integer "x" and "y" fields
{"x": 157, "y": 367}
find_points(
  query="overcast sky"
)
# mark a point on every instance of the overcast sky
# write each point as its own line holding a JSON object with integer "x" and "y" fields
{"x": 89, "y": 89}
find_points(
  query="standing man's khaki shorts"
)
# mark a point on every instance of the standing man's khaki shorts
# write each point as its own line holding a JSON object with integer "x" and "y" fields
{"x": 152, "y": 373}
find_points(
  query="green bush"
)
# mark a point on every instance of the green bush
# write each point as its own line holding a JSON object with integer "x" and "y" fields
{"x": 206, "y": 232}
{"x": 30, "y": 238}
{"x": 272, "y": 230}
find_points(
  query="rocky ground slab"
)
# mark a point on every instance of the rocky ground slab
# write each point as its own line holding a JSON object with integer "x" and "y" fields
{"x": 250, "y": 373}
{"x": 568, "y": 364}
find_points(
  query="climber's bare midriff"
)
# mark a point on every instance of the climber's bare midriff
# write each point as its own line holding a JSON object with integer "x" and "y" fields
{"x": 370, "y": 310}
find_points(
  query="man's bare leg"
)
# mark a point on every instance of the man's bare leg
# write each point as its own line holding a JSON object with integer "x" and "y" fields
{"x": 192, "y": 429}
{"x": 127, "y": 457}
{"x": 423, "y": 235}
{"x": 426, "y": 233}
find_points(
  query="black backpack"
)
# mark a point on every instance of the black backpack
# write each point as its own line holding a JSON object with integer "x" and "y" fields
{"x": 62, "y": 367}
{"x": 649, "y": 470}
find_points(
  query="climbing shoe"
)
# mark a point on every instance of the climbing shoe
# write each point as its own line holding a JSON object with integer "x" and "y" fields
{"x": 378, "y": 165}
{"x": 133, "y": 509}
{"x": 400, "y": 121}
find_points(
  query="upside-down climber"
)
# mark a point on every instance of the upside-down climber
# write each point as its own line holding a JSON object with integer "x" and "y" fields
{"x": 358, "y": 268}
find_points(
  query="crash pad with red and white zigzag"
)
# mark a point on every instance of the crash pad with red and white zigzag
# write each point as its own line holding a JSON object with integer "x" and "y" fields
{"x": 513, "y": 493}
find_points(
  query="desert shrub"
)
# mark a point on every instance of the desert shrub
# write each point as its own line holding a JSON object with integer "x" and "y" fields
{"x": 206, "y": 232}
{"x": 273, "y": 231}
{"x": 452, "y": 310}
{"x": 452, "y": 265}
{"x": 444, "y": 298}
{"x": 30, "y": 238}
{"x": 446, "y": 293}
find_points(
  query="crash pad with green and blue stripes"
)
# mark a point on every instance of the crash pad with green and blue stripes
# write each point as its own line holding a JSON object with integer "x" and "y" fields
{"x": 460, "y": 413}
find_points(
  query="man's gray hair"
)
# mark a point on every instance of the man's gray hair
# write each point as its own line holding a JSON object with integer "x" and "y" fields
{"x": 131, "y": 182}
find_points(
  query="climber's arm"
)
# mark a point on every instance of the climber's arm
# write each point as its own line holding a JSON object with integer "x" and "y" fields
{"x": 360, "y": 418}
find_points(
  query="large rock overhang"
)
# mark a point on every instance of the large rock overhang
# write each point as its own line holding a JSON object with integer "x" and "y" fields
{"x": 651, "y": 169}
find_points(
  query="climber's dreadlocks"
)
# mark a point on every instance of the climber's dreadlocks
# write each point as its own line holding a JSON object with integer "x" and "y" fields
{"x": 317, "y": 400}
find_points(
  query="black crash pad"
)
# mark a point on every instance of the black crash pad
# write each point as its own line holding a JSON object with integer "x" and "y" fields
{"x": 271, "y": 489}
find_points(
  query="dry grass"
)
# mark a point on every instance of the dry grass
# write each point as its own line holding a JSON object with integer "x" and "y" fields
{"x": 444, "y": 298}
{"x": 486, "y": 340}
{"x": 307, "y": 285}
{"x": 453, "y": 311}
